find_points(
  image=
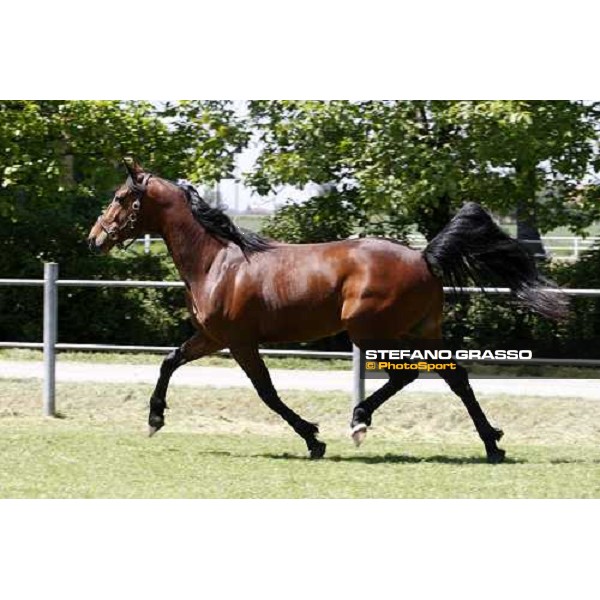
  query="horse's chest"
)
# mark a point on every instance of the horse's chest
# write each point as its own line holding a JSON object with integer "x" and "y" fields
{"x": 207, "y": 306}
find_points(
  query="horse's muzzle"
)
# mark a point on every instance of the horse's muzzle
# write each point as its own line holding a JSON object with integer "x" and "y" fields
{"x": 93, "y": 246}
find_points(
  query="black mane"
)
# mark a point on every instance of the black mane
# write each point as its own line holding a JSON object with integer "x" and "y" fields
{"x": 218, "y": 224}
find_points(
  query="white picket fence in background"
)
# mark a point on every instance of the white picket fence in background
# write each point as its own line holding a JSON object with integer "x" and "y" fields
{"x": 567, "y": 248}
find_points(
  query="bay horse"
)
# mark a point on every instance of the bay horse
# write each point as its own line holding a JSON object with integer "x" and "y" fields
{"x": 243, "y": 290}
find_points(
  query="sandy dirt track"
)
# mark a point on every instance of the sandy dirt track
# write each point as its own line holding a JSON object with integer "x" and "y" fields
{"x": 285, "y": 379}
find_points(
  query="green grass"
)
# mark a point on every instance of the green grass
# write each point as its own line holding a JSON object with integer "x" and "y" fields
{"x": 226, "y": 444}
{"x": 326, "y": 364}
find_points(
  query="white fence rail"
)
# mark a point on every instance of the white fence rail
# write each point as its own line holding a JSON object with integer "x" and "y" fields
{"x": 558, "y": 247}
{"x": 51, "y": 283}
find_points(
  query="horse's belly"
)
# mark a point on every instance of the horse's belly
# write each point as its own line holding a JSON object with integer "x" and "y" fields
{"x": 300, "y": 325}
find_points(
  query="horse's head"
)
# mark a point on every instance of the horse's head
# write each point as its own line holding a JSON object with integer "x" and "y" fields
{"x": 122, "y": 218}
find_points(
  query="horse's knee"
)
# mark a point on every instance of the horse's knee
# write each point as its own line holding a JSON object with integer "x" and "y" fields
{"x": 173, "y": 360}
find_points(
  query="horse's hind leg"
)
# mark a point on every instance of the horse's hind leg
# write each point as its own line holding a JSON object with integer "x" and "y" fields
{"x": 196, "y": 347}
{"x": 363, "y": 411}
{"x": 458, "y": 380}
{"x": 254, "y": 367}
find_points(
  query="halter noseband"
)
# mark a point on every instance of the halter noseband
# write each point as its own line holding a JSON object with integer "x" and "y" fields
{"x": 113, "y": 231}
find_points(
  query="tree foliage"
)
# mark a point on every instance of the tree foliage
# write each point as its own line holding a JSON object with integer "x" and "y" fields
{"x": 320, "y": 219}
{"x": 386, "y": 165}
{"x": 399, "y": 163}
{"x": 60, "y": 162}
{"x": 53, "y": 148}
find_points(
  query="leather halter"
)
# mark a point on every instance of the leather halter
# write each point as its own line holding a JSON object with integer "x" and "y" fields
{"x": 113, "y": 230}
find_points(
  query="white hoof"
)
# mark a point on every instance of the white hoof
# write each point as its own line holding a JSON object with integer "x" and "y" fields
{"x": 359, "y": 433}
{"x": 152, "y": 430}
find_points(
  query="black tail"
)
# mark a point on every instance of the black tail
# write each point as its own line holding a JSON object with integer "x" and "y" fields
{"x": 473, "y": 249}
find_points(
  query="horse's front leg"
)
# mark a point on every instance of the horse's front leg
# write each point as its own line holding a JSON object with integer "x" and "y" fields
{"x": 249, "y": 359}
{"x": 194, "y": 348}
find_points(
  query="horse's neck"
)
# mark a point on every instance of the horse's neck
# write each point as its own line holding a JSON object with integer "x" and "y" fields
{"x": 192, "y": 249}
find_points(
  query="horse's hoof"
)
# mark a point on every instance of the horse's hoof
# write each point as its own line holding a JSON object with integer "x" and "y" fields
{"x": 496, "y": 457}
{"x": 155, "y": 422}
{"x": 317, "y": 450}
{"x": 359, "y": 433}
{"x": 152, "y": 429}
{"x": 498, "y": 433}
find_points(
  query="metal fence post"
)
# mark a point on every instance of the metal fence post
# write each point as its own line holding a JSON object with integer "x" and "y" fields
{"x": 50, "y": 327}
{"x": 147, "y": 244}
{"x": 358, "y": 384}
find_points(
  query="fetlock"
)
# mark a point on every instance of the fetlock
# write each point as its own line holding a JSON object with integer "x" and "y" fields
{"x": 306, "y": 430}
{"x": 360, "y": 416}
{"x": 156, "y": 418}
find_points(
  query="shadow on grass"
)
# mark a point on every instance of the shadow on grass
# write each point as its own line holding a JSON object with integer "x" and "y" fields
{"x": 438, "y": 459}
{"x": 398, "y": 459}
{"x": 371, "y": 460}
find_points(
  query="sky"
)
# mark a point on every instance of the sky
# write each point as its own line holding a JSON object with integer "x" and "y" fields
{"x": 239, "y": 198}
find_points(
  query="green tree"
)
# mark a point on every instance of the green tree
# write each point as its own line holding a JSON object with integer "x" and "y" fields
{"x": 319, "y": 219}
{"x": 60, "y": 162}
{"x": 53, "y": 148}
{"x": 399, "y": 163}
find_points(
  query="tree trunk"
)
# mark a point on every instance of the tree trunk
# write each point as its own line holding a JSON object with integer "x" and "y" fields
{"x": 529, "y": 235}
{"x": 527, "y": 230}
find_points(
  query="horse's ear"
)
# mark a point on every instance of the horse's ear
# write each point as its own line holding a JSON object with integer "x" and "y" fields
{"x": 133, "y": 167}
